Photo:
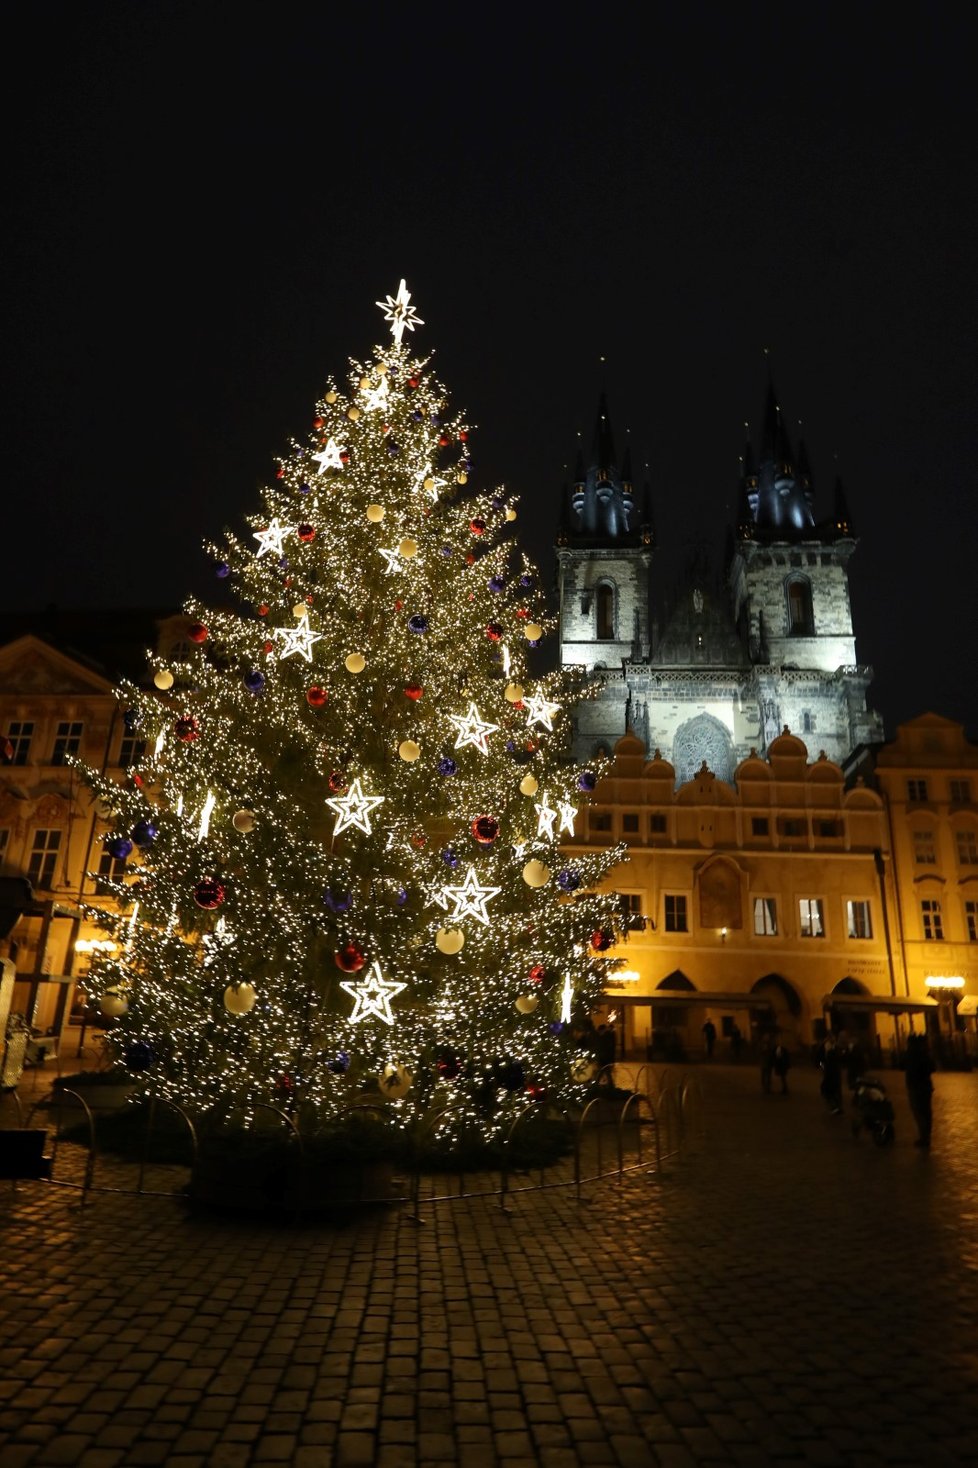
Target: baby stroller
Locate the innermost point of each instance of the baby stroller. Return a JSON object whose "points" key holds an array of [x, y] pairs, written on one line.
{"points": [[872, 1109]]}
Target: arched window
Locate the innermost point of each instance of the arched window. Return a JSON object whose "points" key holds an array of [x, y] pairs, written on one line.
{"points": [[801, 623], [605, 607]]}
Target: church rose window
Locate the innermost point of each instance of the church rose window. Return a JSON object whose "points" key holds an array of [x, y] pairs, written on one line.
{"points": [[702, 738]]}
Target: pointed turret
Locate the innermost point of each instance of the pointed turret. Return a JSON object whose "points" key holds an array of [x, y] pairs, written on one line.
{"points": [[602, 507], [782, 504]]}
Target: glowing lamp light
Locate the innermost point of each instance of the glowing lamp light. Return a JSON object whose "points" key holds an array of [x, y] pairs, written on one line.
{"points": [[947, 983]]}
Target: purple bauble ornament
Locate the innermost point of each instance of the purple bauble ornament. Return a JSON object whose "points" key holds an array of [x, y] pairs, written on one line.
{"points": [[340, 1065], [338, 901], [139, 1055], [568, 880], [254, 681], [586, 780], [144, 833], [497, 583], [446, 550], [450, 857], [305, 488], [119, 847], [222, 569], [418, 624], [447, 766]]}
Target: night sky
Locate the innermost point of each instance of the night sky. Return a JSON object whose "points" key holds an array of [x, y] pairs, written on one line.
{"points": [[204, 203]]}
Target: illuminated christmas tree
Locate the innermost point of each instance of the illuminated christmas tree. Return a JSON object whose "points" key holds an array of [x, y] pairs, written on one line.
{"points": [[345, 834]]}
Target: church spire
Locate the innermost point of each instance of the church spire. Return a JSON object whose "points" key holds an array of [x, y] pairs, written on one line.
{"points": [[843, 523], [783, 501], [602, 507]]}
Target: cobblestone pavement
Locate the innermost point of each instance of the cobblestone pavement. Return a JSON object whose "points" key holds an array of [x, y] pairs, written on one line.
{"points": [[784, 1294]]}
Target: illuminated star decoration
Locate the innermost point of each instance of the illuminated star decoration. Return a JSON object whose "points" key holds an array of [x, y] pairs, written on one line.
{"points": [[566, 998], [545, 820], [271, 539], [399, 312], [376, 397], [470, 899], [373, 995], [392, 559], [540, 711], [329, 457], [297, 640], [472, 730], [568, 815], [353, 808]]}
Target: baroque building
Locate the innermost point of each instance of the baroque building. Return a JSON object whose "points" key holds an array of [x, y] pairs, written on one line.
{"points": [[769, 646]]}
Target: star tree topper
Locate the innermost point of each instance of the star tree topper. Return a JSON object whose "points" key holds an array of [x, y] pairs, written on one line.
{"points": [[399, 312], [353, 808], [470, 898], [373, 995], [472, 730]]}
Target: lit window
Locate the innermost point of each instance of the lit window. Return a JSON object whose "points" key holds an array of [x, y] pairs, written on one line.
{"points": [[631, 909], [971, 920], [930, 912], [17, 745], [859, 922], [916, 791], [43, 858], [811, 917], [967, 848], [676, 921], [67, 741], [923, 848], [111, 868], [765, 917]]}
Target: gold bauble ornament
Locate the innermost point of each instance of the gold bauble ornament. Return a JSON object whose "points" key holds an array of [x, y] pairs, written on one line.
{"points": [[514, 693], [239, 999], [429, 484], [527, 1003], [461, 479], [383, 368], [529, 785], [365, 382], [355, 663], [375, 513], [535, 874], [583, 1068], [353, 414], [408, 548], [533, 631], [331, 396], [510, 514], [300, 610], [449, 940], [243, 821], [409, 751], [395, 1081], [163, 679], [113, 1004]]}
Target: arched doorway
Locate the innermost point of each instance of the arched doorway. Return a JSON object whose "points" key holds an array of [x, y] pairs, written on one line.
{"points": [[785, 1013]]}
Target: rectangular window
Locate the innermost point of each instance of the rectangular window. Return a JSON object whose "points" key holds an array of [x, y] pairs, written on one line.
{"points": [[43, 858], [789, 826], [67, 741], [111, 868], [808, 725], [759, 825], [657, 824], [829, 828], [916, 791], [131, 751], [923, 848], [960, 792], [17, 745], [631, 909], [930, 912], [859, 923], [599, 820], [629, 822], [811, 917], [971, 920], [765, 917], [967, 848], [676, 913]]}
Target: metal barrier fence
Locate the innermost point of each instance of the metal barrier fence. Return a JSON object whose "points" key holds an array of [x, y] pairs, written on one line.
{"points": [[618, 1132]]}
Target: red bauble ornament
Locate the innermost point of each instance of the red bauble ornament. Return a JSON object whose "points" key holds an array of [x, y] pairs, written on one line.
{"points": [[267, 647], [537, 974], [522, 612], [279, 473], [414, 382], [494, 631], [349, 958], [463, 435], [470, 559], [477, 526], [306, 532], [444, 440], [485, 829], [187, 729], [344, 458], [601, 940], [285, 1085], [413, 691], [337, 782], [419, 839], [398, 605], [137, 780], [263, 610], [197, 632], [316, 696], [319, 423], [209, 893]]}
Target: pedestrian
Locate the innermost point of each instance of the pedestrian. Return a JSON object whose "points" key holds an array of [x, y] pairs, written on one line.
{"points": [[782, 1064], [767, 1062], [917, 1071], [831, 1087], [736, 1040], [855, 1062], [710, 1037]]}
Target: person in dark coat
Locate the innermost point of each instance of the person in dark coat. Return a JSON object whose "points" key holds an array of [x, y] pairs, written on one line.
{"points": [[710, 1036], [781, 1065], [831, 1087], [917, 1071]]}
